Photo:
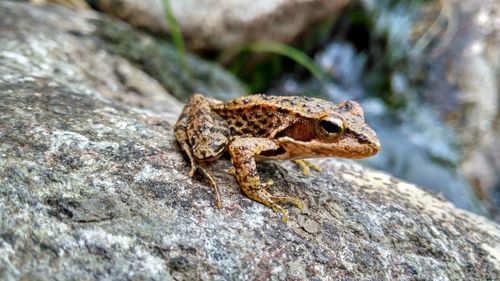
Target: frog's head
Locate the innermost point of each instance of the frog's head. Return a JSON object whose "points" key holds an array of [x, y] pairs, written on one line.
{"points": [[340, 132]]}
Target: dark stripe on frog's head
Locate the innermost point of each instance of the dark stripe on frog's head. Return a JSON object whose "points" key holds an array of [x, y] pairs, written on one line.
{"points": [[301, 130]]}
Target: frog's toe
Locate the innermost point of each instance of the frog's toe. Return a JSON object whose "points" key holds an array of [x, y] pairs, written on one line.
{"points": [[192, 171], [289, 199], [284, 215], [302, 164], [232, 171], [305, 166], [314, 167], [211, 179], [279, 209], [267, 184]]}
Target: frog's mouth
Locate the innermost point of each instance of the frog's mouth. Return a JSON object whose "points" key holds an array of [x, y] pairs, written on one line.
{"points": [[345, 147], [279, 153]]}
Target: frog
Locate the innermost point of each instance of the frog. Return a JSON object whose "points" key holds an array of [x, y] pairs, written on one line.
{"points": [[265, 127]]}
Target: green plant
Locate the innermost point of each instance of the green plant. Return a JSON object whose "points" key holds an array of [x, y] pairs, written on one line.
{"points": [[289, 52], [176, 34]]}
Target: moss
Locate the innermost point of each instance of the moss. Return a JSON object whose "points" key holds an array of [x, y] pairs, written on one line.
{"points": [[160, 60]]}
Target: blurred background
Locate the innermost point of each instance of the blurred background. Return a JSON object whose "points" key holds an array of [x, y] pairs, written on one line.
{"points": [[426, 72]]}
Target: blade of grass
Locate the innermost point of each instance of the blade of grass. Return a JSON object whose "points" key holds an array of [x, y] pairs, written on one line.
{"points": [[176, 34], [290, 52]]}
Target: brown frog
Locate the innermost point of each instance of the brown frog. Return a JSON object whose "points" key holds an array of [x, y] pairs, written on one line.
{"points": [[261, 127]]}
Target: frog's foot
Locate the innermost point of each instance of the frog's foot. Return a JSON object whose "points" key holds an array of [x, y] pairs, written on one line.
{"points": [[305, 165], [267, 184], [269, 202], [232, 171], [204, 170], [261, 195], [289, 199], [283, 199]]}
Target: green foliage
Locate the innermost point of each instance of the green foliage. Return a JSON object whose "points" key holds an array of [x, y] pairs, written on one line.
{"points": [[176, 34], [289, 52], [383, 31], [282, 59], [259, 72], [259, 80]]}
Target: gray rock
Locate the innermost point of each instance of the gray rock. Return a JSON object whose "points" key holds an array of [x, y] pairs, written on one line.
{"points": [[223, 25], [94, 186], [156, 58]]}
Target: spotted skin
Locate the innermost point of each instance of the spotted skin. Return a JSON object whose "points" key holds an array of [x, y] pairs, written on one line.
{"points": [[261, 127]]}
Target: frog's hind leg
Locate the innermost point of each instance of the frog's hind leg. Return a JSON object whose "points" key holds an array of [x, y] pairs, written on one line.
{"points": [[180, 130], [203, 136]]}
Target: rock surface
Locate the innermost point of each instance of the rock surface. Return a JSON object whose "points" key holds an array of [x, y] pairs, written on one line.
{"points": [[100, 33], [221, 25], [93, 186]]}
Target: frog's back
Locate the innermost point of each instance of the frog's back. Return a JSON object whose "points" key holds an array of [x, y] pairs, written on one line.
{"points": [[262, 115], [301, 105]]}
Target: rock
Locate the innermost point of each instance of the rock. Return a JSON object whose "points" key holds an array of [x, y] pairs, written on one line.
{"points": [[222, 25], [162, 62], [158, 59], [74, 4], [463, 85], [93, 186]]}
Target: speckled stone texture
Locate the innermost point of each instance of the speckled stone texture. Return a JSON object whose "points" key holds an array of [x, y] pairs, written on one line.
{"points": [[93, 186]]}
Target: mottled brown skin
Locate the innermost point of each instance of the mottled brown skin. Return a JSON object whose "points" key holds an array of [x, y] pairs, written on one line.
{"points": [[261, 127]]}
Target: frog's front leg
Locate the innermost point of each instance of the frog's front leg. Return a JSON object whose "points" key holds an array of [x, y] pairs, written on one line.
{"points": [[203, 136], [305, 165], [243, 151]]}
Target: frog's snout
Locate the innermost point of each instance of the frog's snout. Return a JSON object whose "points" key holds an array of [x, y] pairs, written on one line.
{"points": [[369, 141], [375, 145]]}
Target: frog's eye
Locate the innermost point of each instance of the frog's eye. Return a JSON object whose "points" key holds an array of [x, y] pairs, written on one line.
{"points": [[330, 129]]}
